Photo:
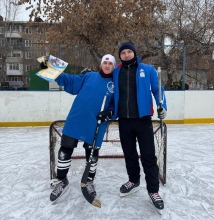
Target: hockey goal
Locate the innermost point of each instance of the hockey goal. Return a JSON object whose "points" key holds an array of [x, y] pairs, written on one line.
{"points": [[111, 147]]}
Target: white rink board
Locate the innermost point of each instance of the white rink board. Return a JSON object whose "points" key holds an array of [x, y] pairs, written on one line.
{"points": [[48, 106], [200, 104], [35, 106]]}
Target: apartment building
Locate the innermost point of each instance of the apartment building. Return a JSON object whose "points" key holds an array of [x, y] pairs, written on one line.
{"points": [[20, 45]]}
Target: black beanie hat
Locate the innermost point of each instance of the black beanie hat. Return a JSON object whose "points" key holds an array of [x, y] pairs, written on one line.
{"points": [[127, 45]]}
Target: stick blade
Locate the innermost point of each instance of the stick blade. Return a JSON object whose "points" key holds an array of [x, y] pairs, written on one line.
{"points": [[85, 193], [88, 197], [96, 203]]}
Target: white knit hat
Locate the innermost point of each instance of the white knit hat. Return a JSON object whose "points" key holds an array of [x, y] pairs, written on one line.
{"points": [[108, 57]]}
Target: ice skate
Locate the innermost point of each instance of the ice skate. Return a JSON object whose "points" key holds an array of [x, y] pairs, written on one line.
{"points": [[129, 188], [60, 188], [157, 202]]}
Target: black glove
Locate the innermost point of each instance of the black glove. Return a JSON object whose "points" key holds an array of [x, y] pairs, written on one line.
{"points": [[161, 112], [85, 71], [43, 65], [105, 115]]}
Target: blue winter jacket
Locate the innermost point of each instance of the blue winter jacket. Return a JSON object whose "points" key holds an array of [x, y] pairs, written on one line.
{"points": [[147, 84], [90, 89]]}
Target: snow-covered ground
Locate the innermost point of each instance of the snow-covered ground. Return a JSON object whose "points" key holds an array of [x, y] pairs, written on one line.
{"points": [[25, 189]]}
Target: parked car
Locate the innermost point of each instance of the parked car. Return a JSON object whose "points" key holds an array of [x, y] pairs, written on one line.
{"points": [[13, 85]]}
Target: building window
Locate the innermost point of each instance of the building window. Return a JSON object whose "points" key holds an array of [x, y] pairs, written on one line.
{"points": [[40, 54], [14, 54], [41, 30], [28, 55], [28, 30], [2, 30], [28, 67], [14, 42], [0, 55], [16, 28], [15, 78], [26, 80], [40, 43], [28, 43], [2, 67], [13, 66]]}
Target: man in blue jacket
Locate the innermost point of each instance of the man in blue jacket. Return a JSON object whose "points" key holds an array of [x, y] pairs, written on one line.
{"points": [[90, 89], [135, 83]]}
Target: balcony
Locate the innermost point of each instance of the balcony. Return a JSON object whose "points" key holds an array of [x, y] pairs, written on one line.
{"points": [[12, 35]]}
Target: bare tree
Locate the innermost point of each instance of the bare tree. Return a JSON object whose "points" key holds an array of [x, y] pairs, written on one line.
{"points": [[91, 28], [9, 9], [189, 23], [97, 25]]}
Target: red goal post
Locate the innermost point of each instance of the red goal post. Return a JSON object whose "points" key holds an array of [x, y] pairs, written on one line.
{"points": [[111, 146]]}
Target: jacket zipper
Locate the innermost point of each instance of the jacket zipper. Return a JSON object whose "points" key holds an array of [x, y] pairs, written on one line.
{"points": [[127, 102]]}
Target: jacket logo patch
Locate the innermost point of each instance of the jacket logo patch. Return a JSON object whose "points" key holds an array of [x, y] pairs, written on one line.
{"points": [[110, 87], [142, 73]]}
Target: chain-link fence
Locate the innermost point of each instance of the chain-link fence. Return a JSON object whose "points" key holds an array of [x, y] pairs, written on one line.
{"points": [[183, 66]]}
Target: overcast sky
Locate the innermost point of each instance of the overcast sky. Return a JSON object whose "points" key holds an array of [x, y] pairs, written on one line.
{"points": [[23, 15], [8, 12]]}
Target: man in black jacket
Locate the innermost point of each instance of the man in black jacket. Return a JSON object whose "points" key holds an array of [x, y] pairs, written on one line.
{"points": [[135, 83]]}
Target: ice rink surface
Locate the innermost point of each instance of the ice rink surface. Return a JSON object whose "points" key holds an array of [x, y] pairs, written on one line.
{"points": [[25, 180]]}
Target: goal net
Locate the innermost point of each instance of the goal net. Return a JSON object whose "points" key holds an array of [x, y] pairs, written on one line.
{"points": [[111, 146]]}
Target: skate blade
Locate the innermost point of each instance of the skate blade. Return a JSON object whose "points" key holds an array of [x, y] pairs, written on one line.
{"points": [[53, 202], [160, 211], [132, 191]]}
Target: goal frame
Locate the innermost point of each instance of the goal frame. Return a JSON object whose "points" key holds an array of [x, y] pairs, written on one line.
{"points": [[159, 146]]}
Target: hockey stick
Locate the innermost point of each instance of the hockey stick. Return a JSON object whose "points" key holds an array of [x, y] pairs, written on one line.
{"points": [[160, 104], [85, 193]]}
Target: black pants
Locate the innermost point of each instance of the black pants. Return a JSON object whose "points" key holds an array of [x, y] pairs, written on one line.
{"points": [[142, 130], [64, 157]]}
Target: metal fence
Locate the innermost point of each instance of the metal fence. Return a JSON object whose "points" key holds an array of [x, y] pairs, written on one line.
{"points": [[183, 66]]}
